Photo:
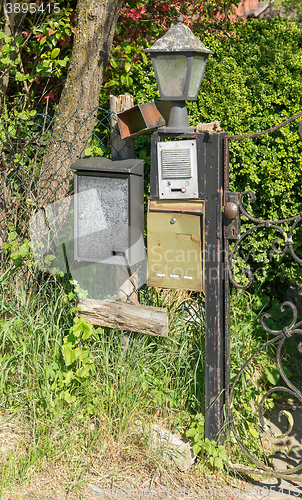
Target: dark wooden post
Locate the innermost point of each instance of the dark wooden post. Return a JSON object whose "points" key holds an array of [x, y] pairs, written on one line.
{"points": [[210, 186], [210, 154], [121, 149]]}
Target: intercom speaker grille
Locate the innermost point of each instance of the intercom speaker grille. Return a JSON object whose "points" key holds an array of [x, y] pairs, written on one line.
{"points": [[177, 169], [176, 164]]}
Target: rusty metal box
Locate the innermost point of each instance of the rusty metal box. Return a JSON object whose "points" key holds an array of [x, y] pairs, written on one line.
{"points": [[143, 118], [175, 244]]}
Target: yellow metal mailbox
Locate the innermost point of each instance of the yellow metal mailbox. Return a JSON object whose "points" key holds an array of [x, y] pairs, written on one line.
{"points": [[175, 244]]}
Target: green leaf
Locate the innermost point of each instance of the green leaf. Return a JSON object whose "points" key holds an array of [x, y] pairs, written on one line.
{"points": [[272, 375], [196, 448], [12, 235], [69, 377], [18, 40], [81, 353], [68, 353], [253, 431], [218, 463], [80, 325], [111, 83], [191, 433], [209, 446], [6, 48], [87, 331], [145, 58], [113, 63], [127, 66], [54, 53], [222, 452], [68, 398], [287, 372], [84, 371]]}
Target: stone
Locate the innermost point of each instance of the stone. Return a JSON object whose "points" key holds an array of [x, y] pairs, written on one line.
{"points": [[172, 447], [208, 128]]}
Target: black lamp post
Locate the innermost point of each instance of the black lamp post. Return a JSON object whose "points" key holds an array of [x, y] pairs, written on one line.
{"points": [[179, 59]]}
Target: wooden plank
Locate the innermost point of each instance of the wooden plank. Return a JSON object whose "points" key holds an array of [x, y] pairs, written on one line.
{"points": [[120, 148], [116, 314]]}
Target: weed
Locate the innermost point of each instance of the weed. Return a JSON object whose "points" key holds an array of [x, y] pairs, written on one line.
{"points": [[63, 377], [211, 453], [79, 391]]}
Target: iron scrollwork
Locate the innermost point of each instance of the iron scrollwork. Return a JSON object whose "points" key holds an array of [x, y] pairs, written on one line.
{"points": [[288, 239], [280, 336]]}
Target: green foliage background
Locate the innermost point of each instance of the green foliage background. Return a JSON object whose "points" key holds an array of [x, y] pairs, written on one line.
{"points": [[253, 82]]}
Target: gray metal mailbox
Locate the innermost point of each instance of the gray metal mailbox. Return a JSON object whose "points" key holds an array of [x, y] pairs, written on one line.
{"points": [[109, 210]]}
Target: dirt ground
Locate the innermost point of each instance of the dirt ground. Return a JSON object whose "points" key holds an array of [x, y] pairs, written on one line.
{"points": [[51, 486], [124, 478]]}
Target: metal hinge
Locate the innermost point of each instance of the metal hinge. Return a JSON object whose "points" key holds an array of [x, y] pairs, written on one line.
{"points": [[231, 215]]}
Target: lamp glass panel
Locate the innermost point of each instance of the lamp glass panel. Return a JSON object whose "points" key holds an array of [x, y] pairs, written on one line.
{"points": [[198, 67], [172, 73]]}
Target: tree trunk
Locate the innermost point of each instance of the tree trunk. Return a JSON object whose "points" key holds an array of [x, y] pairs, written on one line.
{"points": [[76, 114]]}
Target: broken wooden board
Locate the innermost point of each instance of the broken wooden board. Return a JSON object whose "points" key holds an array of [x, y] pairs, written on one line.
{"points": [[136, 318]]}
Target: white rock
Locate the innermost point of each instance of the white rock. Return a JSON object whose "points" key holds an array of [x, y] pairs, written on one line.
{"points": [[171, 447]]}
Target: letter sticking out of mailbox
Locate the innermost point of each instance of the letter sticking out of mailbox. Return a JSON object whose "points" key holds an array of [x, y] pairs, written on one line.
{"points": [[175, 242]]}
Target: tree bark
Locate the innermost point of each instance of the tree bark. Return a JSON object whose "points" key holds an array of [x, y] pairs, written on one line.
{"points": [[76, 114]]}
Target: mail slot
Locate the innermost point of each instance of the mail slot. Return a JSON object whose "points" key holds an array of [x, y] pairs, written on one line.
{"points": [[175, 244]]}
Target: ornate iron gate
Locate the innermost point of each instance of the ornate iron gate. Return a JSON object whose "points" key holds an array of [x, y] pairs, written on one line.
{"points": [[234, 206]]}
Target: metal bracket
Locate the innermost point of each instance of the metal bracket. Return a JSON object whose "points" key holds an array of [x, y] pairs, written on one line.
{"points": [[231, 215]]}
